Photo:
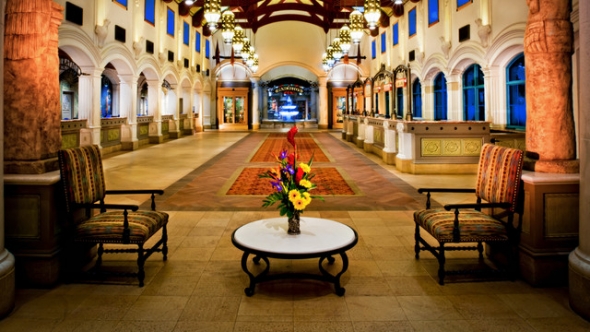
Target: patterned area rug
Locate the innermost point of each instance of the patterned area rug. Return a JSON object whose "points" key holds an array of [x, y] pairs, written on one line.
{"points": [[327, 179], [275, 143]]}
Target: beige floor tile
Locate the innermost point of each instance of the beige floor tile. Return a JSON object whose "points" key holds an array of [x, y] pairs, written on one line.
{"points": [[49, 307], [379, 240], [323, 327], [211, 309], [423, 308], [442, 326], [193, 326], [508, 325], [192, 254], [263, 327], [482, 307], [261, 308], [400, 326], [321, 309], [366, 286], [27, 324], [413, 286], [374, 308], [76, 325], [569, 324], [172, 285], [156, 308], [535, 305], [103, 307], [145, 326], [402, 268]]}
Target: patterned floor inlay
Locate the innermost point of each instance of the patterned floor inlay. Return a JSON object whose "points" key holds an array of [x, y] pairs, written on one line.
{"points": [[328, 180], [273, 145]]}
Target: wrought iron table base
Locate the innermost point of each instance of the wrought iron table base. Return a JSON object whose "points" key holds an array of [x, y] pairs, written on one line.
{"points": [[324, 276]]}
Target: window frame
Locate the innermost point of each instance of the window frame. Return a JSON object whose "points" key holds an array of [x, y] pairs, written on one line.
{"points": [[417, 97], [152, 5], [412, 23], [170, 18], [395, 33], [383, 42], [186, 33], [513, 83], [463, 3], [430, 12], [477, 89], [443, 104], [197, 41], [122, 3]]}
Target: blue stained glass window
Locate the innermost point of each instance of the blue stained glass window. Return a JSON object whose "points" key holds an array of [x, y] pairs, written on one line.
{"points": [[473, 94], [461, 3], [383, 43], [170, 25], [122, 2], [440, 97], [432, 12], [515, 95], [185, 33], [412, 22], [373, 49], [198, 41], [417, 98], [150, 11], [207, 49], [395, 34]]}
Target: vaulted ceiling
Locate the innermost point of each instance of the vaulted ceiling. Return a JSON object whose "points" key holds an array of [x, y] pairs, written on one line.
{"points": [[254, 14]]}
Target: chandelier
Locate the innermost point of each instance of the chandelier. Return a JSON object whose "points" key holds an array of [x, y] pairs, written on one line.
{"points": [[356, 26], [238, 40], [345, 39], [212, 13], [372, 13], [227, 26], [336, 49]]}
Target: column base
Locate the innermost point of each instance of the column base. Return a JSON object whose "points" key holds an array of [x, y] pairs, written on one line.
{"points": [[7, 283], [130, 146], [542, 269], [579, 283], [156, 139]]}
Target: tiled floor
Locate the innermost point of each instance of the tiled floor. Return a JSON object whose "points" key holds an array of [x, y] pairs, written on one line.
{"points": [[201, 286]]}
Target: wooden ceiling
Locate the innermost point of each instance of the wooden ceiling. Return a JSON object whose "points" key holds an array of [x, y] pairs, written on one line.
{"points": [[254, 14]]}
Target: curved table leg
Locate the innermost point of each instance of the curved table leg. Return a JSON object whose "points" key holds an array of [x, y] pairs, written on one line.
{"points": [[335, 278], [250, 289]]}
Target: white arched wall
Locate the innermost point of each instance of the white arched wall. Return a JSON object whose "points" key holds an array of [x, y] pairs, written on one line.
{"points": [[462, 58]]}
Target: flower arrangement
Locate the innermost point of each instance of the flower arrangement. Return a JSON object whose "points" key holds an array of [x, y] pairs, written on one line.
{"points": [[291, 181]]}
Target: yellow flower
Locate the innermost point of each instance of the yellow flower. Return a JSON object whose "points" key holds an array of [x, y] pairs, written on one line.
{"points": [[306, 197], [305, 183], [300, 204], [305, 167], [294, 195]]}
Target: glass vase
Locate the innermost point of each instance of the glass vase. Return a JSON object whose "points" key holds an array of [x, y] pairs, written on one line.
{"points": [[294, 223]]}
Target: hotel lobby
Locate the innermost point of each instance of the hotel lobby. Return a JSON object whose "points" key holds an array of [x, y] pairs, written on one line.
{"points": [[173, 105]]}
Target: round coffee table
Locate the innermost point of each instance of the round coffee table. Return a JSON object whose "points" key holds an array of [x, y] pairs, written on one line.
{"points": [[319, 238]]}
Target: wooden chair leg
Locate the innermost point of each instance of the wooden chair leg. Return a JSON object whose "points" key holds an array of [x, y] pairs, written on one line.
{"points": [[140, 264], [417, 239], [480, 250], [441, 264], [164, 243], [99, 256]]}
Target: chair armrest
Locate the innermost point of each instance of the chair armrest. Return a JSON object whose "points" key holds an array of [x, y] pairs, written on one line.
{"points": [[153, 193], [135, 191], [446, 190], [109, 206], [442, 190], [477, 206]]}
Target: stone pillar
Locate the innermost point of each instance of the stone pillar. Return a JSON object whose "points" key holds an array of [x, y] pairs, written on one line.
{"points": [[7, 280], [255, 103], [89, 101], [323, 101], [32, 117], [551, 145], [128, 109], [154, 90], [579, 259]]}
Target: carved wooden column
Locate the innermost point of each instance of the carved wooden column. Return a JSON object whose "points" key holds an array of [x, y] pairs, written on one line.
{"points": [[548, 48], [32, 111], [551, 180]]}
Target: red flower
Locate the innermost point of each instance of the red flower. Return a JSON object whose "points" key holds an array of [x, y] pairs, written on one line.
{"points": [[299, 175], [291, 135], [291, 159]]}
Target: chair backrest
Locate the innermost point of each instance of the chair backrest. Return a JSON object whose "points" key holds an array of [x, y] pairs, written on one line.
{"points": [[82, 175], [498, 175]]}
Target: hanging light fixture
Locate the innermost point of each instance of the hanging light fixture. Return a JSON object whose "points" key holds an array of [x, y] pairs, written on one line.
{"points": [[330, 56], [254, 66], [245, 49], [356, 26], [189, 2], [325, 65], [372, 13], [212, 13], [227, 26], [251, 57], [345, 40], [336, 49], [238, 40]]}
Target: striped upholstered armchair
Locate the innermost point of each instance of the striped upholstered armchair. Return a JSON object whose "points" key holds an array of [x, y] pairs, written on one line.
{"points": [[120, 224], [498, 186]]}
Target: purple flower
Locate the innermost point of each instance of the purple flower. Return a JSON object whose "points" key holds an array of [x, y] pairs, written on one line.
{"points": [[290, 169], [277, 185], [283, 154]]}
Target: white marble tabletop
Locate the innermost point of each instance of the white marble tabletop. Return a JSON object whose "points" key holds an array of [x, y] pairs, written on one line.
{"points": [[317, 236]]}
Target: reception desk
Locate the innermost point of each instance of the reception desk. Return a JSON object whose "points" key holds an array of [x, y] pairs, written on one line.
{"points": [[422, 147]]}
